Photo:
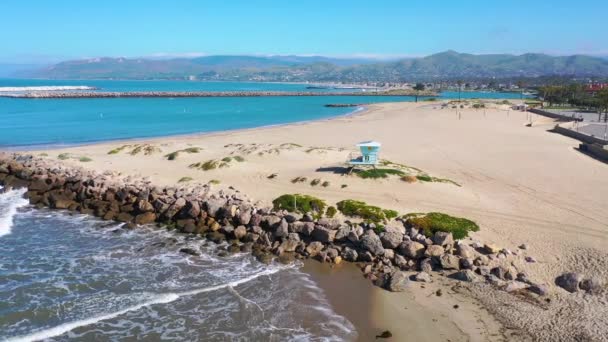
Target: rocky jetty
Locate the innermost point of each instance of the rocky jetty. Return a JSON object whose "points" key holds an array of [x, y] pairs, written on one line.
{"points": [[342, 105], [392, 256], [112, 94]]}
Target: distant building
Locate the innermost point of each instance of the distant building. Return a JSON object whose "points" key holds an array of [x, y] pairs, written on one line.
{"points": [[595, 87]]}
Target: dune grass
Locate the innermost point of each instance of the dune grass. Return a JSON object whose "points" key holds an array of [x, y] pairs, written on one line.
{"points": [[175, 154], [299, 180], [439, 222], [214, 181], [297, 203], [331, 212], [368, 213], [118, 149], [315, 182], [63, 156], [378, 173], [85, 159], [184, 179]]}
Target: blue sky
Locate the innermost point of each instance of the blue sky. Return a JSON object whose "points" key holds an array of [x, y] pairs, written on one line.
{"points": [[47, 31]]}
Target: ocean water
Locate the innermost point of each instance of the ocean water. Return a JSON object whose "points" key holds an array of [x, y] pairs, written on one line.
{"points": [[77, 278], [27, 122]]}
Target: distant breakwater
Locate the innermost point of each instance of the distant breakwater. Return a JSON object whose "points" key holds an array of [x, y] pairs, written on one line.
{"points": [[228, 216], [121, 94]]}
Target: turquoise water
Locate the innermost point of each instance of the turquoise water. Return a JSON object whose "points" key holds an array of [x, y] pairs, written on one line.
{"points": [[27, 122]]}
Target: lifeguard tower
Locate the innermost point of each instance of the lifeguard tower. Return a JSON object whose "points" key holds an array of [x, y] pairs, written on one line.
{"points": [[368, 157]]}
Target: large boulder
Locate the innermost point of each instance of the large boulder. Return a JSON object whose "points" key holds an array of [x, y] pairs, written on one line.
{"points": [[175, 208], [449, 262], [124, 217], [245, 217], [443, 239], [411, 249], [391, 239], [214, 206], [371, 242], [145, 218], [240, 232], [591, 285], [191, 210], [422, 277], [350, 254], [143, 206], [434, 251], [323, 234], [398, 282], [282, 229], [343, 232], [465, 251], [466, 275], [569, 281], [314, 248], [491, 248]]}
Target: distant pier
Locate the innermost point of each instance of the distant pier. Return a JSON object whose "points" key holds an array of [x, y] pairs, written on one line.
{"points": [[114, 94]]}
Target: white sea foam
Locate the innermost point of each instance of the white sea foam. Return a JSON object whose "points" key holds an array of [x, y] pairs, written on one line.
{"points": [[9, 203], [45, 88], [163, 298]]}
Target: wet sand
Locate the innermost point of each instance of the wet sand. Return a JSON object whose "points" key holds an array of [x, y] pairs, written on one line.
{"points": [[374, 310]]}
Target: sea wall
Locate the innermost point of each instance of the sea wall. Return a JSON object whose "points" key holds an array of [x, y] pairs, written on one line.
{"points": [[596, 150], [578, 135], [552, 115], [386, 255], [113, 94]]}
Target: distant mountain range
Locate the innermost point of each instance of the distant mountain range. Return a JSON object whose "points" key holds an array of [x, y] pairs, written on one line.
{"points": [[446, 65]]}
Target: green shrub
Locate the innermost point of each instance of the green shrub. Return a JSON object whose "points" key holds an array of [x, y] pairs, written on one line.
{"points": [[227, 159], [343, 186], [378, 173], [315, 182], [184, 179], [424, 178], [85, 159], [299, 204], [214, 181], [192, 150], [299, 180], [239, 159], [118, 149], [439, 222], [331, 212], [325, 184], [369, 213], [63, 156], [209, 165], [172, 155], [44, 154]]}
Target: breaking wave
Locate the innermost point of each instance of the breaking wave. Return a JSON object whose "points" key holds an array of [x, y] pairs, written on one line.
{"points": [[10, 201]]}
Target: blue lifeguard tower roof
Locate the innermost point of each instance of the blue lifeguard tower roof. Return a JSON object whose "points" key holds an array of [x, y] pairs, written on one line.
{"points": [[369, 154], [369, 143]]}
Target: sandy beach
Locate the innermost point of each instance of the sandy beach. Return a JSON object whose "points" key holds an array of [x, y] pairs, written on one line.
{"points": [[522, 185]]}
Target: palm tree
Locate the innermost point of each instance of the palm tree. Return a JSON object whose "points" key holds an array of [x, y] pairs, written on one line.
{"points": [[418, 88], [520, 85]]}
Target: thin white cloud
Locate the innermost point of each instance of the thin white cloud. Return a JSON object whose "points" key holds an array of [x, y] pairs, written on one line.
{"points": [[177, 54]]}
